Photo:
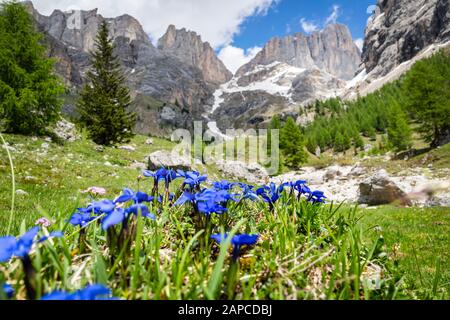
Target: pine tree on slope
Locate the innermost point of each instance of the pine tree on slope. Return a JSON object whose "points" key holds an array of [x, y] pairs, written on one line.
{"points": [[105, 99]]}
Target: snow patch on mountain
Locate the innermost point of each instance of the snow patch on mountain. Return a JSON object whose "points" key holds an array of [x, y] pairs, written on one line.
{"points": [[275, 78]]}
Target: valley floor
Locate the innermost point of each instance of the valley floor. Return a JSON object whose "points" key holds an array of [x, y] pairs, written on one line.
{"points": [[50, 179]]}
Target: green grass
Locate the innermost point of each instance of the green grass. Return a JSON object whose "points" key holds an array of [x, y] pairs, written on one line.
{"points": [[305, 252], [56, 178], [419, 239]]}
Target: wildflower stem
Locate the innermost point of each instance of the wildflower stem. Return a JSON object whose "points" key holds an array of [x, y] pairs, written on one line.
{"points": [[30, 277]]}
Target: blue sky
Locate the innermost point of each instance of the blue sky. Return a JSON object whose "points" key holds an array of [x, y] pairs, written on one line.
{"points": [[284, 18]]}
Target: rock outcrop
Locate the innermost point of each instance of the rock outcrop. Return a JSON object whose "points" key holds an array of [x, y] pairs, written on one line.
{"points": [[379, 189], [189, 48], [168, 160], [331, 50], [400, 33], [400, 29], [251, 172], [168, 92], [289, 72]]}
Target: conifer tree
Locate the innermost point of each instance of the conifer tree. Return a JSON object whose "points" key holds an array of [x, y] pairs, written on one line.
{"points": [[104, 100], [292, 143], [29, 90], [338, 142], [398, 132]]}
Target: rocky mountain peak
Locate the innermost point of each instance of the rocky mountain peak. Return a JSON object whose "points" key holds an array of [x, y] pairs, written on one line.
{"points": [[189, 48], [400, 29], [79, 29], [331, 50]]}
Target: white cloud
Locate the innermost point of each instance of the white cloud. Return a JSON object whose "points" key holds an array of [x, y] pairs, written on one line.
{"points": [[308, 26], [359, 43], [216, 21], [332, 18], [234, 57]]}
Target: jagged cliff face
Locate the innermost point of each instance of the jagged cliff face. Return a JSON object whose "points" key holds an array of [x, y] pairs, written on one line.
{"points": [[169, 92], [400, 33], [331, 50], [189, 48], [287, 73], [400, 29]]}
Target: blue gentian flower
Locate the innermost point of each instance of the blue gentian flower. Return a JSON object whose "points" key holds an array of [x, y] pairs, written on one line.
{"points": [[8, 290], [137, 197], [207, 202], [91, 292], [20, 248], [185, 197], [237, 241], [301, 187], [223, 185], [145, 212], [115, 217], [270, 194], [317, 197], [126, 196], [248, 192], [120, 214], [81, 219], [209, 207], [215, 195], [103, 206], [194, 179]]}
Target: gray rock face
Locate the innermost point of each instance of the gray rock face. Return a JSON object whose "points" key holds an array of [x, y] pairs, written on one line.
{"points": [[66, 130], [189, 48], [157, 79], [331, 50], [400, 29], [276, 89], [289, 72], [248, 110], [250, 172], [168, 160]]}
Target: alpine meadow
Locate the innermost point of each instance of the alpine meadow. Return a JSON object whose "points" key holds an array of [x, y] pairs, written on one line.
{"points": [[265, 151]]}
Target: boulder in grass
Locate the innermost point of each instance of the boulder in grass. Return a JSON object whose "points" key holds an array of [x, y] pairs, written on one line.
{"points": [[66, 130], [168, 160], [127, 148], [379, 189], [236, 170]]}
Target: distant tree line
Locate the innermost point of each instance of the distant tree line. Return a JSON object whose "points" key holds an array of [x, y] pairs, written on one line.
{"points": [[420, 97]]}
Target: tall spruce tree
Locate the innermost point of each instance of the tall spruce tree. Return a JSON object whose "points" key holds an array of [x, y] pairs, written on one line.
{"points": [[398, 132], [29, 89], [105, 99], [292, 143]]}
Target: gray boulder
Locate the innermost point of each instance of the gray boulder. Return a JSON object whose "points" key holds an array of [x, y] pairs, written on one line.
{"points": [[168, 160], [379, 189], [65, 130], [237, 170]]}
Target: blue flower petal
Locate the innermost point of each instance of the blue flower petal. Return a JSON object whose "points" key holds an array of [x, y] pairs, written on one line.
{"points": [[115, 217], [7, 247]]}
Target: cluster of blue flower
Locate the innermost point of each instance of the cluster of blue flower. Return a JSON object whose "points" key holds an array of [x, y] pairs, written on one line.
{"points": [[204, 201]]}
